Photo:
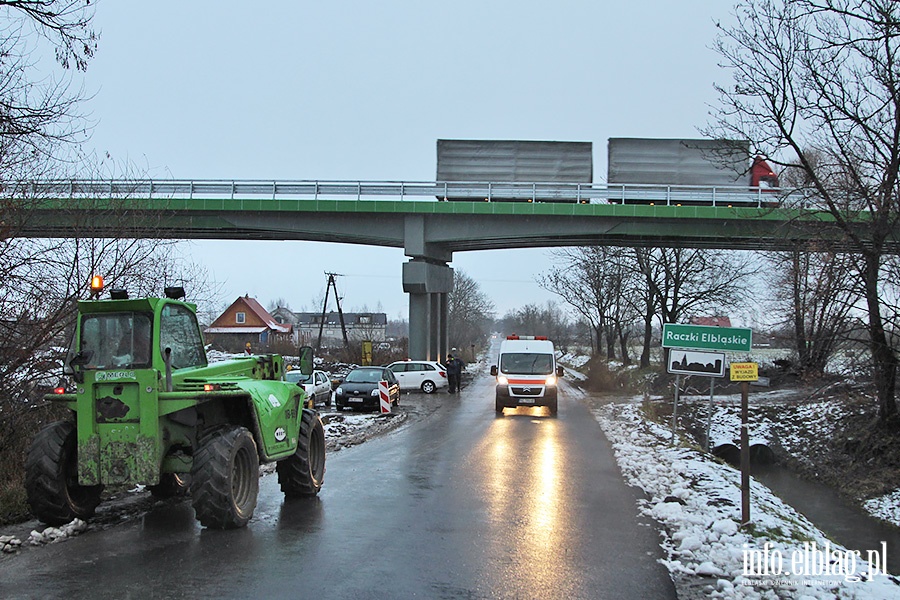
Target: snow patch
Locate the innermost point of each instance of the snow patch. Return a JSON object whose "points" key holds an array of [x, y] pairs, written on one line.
{"points": [[9, 544], [55, 534], [886, 507], [697, 501]]}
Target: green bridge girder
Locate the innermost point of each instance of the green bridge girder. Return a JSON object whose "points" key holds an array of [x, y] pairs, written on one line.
{"points": [[448, 226]]}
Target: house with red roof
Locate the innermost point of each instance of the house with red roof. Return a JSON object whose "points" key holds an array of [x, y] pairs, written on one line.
{"points": [[718, 321], [246, 321]]}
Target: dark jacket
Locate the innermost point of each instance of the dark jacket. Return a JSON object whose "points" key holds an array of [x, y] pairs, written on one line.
{"points": [[454, 366]]}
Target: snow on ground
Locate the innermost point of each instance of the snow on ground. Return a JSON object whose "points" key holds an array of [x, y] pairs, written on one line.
{"points": [[345, 430], [572, 364], [886, 507], [697, 502], [788, 431], [575, 360], [726, 420], [49, 535]]}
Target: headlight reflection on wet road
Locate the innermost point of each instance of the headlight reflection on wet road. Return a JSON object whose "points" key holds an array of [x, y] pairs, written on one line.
{"points": [[525, 498]]}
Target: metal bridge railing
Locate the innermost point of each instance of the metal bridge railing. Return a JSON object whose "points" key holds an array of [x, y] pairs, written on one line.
{"points": [[605, 193]]}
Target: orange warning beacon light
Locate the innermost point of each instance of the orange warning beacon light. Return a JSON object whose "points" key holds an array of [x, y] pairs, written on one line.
{"points": [[96, 285]]}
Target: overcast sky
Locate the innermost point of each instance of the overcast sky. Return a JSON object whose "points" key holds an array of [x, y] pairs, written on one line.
{"points": [[362, 90]]}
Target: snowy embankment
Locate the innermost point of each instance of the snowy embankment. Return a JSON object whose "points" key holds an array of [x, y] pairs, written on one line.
{"points": [[572, 363], [791, 428], [697, 502]]}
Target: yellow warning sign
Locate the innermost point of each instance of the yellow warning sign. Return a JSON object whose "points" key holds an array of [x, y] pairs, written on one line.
{"points": [[744, 371]]}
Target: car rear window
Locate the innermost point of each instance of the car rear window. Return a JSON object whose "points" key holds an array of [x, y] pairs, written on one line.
{"points": [[365, 376], [296, 377]]}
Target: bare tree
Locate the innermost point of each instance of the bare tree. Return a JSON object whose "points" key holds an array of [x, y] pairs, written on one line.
{"points": [[815, 292], [644, 299], [470, 312], [621, 290], [38, 113], [65, 23], [816, 85], [596, 281], [689, 281], [279, 302], [547, 320]]}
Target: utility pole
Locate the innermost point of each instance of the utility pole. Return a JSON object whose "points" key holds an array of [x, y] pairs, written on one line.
{"points": [[332, 283]]}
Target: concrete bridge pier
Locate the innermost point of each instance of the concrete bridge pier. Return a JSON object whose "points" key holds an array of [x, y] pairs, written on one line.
{"points": [[427, 279], [427, 284]]}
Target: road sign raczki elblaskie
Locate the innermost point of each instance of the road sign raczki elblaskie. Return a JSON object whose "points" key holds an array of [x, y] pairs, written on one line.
{"points": [[705, 337]]}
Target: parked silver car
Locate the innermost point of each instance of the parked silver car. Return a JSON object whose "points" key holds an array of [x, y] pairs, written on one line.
{"points": [[317, 386]]}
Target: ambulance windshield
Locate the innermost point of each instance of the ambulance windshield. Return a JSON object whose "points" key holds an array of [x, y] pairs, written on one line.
{"points": [[526, 363]]}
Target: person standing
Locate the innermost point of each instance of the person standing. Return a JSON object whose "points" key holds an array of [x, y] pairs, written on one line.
{"points": [[454, 371]]}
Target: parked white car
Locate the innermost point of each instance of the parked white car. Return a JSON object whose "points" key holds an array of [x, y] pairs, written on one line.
{"points": [[317, 386], [420, 375]]}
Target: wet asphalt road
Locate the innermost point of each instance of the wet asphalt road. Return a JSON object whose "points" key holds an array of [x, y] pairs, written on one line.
{"points": [[463, 504]]}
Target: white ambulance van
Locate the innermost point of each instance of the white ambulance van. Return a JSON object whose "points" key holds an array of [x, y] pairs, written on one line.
{"points": [[526, 373]]}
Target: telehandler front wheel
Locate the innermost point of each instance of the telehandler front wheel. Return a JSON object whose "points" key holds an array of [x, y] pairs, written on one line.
{"points": [[303, 473], [51, 477], [225, 478]]}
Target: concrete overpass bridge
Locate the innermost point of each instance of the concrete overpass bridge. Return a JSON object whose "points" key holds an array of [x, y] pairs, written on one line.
{"points": [[429, 220]]}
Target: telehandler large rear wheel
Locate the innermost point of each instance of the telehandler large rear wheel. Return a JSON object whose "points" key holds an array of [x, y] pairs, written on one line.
{"points": [[51, 477], [303, 473], [225, 478]]}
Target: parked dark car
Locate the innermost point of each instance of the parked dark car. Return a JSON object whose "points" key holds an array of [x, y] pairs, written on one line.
{"points": [[360, 388]]}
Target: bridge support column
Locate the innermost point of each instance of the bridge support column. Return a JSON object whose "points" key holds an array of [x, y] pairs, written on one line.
{"points": [[427, 279], [427, 284]]}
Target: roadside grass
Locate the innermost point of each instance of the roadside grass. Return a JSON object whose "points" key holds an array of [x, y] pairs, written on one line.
{"points": [[17, 429], [12, 499]]}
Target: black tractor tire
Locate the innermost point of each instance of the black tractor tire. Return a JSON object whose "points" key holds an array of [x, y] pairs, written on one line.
{"points": [[170, 485], [428, 387], [225, 478], [51, 477], [303, 473]]}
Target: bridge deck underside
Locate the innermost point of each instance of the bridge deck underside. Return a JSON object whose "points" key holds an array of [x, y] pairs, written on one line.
{"points": [[454, 226]]}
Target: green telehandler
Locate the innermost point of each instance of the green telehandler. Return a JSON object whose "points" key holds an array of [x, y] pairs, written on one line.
{"points": [[148, 409]]}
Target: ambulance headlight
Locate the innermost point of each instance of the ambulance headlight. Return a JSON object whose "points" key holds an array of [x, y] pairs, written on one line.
{"points": [[551, 380], [502, 380]]}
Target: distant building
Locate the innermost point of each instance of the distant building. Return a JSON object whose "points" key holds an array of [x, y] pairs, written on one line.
{"points": [[284, 316], [360, 326], [246, 321], [718, 321]]}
